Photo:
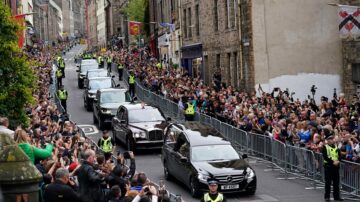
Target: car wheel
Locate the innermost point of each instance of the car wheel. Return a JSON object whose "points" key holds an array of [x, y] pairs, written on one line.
{"points": [[88, 107], [80, 85], [166, 172], [194, 188], [117, 142], [94, 119], [130, 145], [101, 125], [250, 192]]}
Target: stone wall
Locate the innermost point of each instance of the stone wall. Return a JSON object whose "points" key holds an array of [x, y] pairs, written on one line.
{"points": [[351, 56]]}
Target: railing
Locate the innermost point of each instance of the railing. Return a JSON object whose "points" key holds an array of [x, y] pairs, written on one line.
{"points": [[56, 100], [290, 159]]}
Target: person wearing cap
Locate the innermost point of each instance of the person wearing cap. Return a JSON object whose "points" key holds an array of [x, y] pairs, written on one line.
{"points": [[332, 157], [106, 144], [213, 195]]}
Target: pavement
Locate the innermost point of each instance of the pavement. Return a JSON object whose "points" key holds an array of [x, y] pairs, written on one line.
{"points": [[271, 183]]}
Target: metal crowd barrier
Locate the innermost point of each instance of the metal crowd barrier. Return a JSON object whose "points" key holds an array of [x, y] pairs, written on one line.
{"points": [[294, 160]]}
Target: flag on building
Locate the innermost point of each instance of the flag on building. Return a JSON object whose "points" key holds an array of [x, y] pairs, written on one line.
{"points": [[349, 21], [134, 27], [20, 19], [169, 25]]}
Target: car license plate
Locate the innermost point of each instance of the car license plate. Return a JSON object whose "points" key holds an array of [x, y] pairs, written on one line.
{"points": [[230, 186]]}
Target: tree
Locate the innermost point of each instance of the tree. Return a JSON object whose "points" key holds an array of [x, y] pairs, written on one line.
{"points": [[17, 78], [137, 10]]}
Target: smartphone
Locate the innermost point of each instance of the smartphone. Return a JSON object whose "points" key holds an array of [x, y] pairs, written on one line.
{"points": [[161, 184]]}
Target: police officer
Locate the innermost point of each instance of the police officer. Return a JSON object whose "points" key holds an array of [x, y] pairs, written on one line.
{"points": [[120, 70], [213, 195], [332, 159], [106, 144], [132, 84], [101, 61], [58, 75], [62, 66], [189, 111], [63, 95], [109, 62]]}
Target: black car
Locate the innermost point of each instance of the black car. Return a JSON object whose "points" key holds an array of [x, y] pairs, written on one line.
{"points": [[83, 68], [106, 103], [139, 126], [193, 152], [95, 84]]}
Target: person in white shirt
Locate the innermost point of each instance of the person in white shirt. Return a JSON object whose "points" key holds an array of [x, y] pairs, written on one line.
{"points": [[4, 124]]}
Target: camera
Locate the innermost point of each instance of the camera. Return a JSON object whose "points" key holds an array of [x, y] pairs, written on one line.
{"points": [[126, 155], [276, 89], [146, 189], [313, 89]]}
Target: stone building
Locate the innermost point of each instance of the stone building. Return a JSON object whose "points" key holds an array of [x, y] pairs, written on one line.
{"points": [[116, 24], [351, 61], [101, 22], [91, 23], [164, 40], [295, 44]]}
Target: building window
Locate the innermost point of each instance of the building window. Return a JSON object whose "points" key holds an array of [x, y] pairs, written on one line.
{"points": [[197, 25], [235, 70], [190, 26], [207, 69], [227, 17], [185, 23], [355, 72], [235, 13], [228, 68], [232, 14], [216, 17], [217, 62]]}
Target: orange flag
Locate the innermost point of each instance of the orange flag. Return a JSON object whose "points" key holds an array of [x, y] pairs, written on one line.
{"points": [[135, 27]]}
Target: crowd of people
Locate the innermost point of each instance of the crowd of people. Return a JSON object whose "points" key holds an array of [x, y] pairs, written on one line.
{"points": [[72, 166], [276, 114]]}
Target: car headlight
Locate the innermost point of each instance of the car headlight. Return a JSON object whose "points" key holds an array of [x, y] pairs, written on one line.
{"points": [[139, 134], [250, 174], [203, 178], [105, 111]]}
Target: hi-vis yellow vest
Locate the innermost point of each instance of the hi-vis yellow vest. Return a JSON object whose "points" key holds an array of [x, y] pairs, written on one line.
{"points": [[219, 198], [190, 109], [331, 153], [106, 145]]}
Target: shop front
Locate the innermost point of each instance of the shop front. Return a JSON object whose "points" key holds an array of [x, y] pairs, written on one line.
{"points": [[192, 60]]}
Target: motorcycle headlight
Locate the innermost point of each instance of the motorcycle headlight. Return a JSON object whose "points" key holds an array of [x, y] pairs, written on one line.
{"points": [[105, 111], [250, 174], [203, 178]]}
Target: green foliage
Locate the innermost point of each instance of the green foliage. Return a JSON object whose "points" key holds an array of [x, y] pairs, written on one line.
{"points": [[138, 10], [135, 10], [17, 78]]}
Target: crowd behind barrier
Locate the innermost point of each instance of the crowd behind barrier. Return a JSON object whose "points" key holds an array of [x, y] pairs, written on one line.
{"points": [[60, 150], [287, 132]]}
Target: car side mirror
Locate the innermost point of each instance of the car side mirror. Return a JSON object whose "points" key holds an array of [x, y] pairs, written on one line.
{"points": [[244, 156], [112, 76], [77, 70], [183, 159], [77, 65], [168, 119]]}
